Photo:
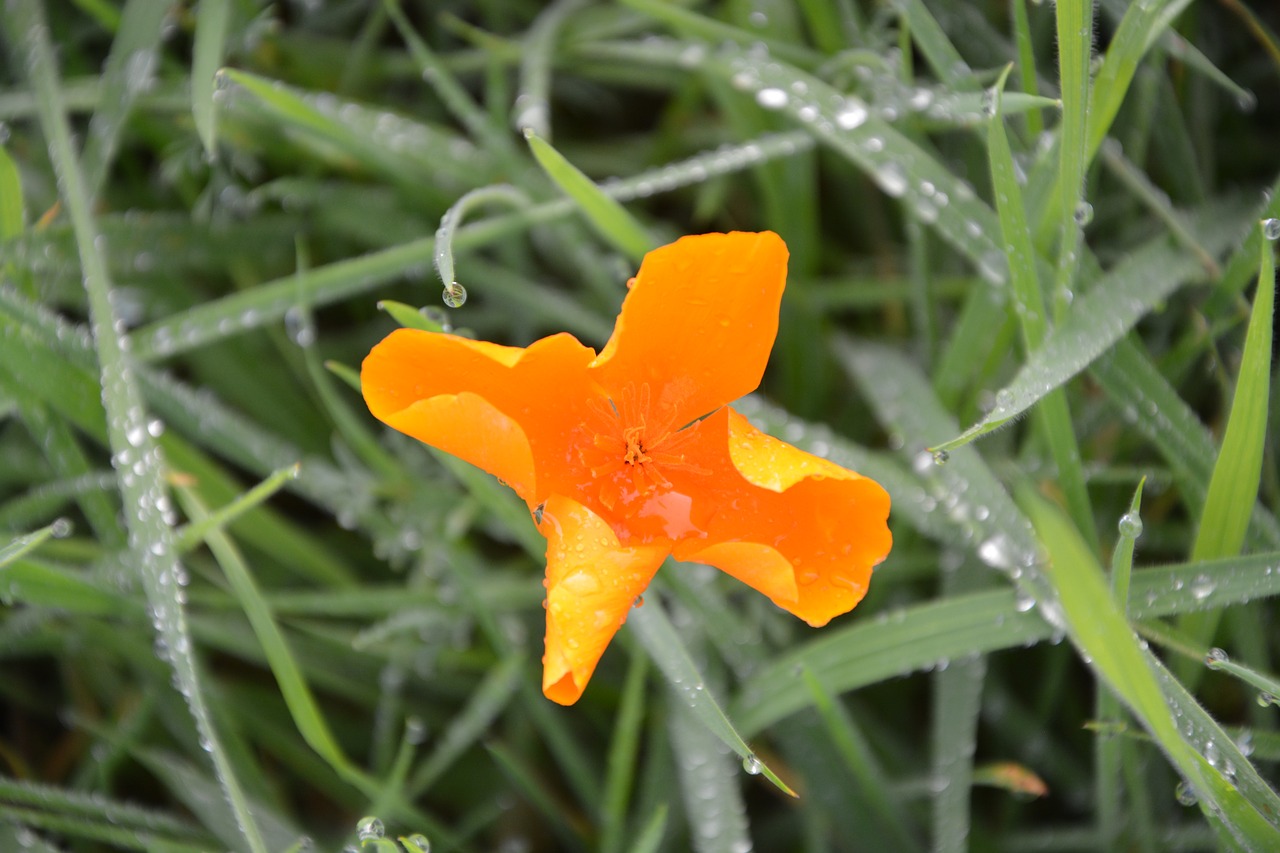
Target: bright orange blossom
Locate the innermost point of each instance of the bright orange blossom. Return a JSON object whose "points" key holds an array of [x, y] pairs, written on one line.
{"points": [[632, 455]]}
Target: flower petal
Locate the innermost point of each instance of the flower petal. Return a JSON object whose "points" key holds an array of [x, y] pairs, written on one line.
{"points": [[699, 323], [592, 582], [514, 412], [800, 529]]}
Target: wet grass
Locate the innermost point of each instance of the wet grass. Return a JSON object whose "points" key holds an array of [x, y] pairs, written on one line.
{"points": [[1030, 292]]}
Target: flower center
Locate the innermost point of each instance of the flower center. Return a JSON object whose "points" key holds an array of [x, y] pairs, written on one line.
{"points": [[630, 449]]}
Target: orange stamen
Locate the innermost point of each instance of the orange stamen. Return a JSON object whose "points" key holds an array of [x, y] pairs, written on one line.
{"points": [[628, 440]]}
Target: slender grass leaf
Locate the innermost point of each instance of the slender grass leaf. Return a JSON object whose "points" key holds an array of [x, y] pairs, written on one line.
{"points": [[524, 779], [409, 154], [717, 32], [293, 685], [899, 166], [1239, 467], [947, 63], [623, 754], [852, 747], [1029, 308], [441, 79], [1100, 318], [1269, 685], [12, 212], [533, 110], [957, 707], [200, 794], [129, 72], [661, 640], [1026, 63], [262, 527], [1141, 26], [649, 839], [41, 585], [1074, 20], [66, 457], [1099, 629], [96, 806], [1028, 298], [28, 542], [607, 216], [349, 375], [213, 19], [487, 701], [408, 317], [1157, 201], [1130, 528], [708, 780], [194, 534], [1238, 470], [267, 303], [133, 447]]}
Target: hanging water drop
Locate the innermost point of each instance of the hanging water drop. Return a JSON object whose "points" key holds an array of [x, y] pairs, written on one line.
{"points": [[1083, 213], [752, 765], [455, 295], [1186, 794], [1130, 525], [941, 457], [1271, 228]]}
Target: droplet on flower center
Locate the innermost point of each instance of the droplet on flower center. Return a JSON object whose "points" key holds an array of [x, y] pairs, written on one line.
{"points": [[631, 448]]}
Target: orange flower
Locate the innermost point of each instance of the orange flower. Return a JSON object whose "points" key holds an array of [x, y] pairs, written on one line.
{"points": [[632, 455]]}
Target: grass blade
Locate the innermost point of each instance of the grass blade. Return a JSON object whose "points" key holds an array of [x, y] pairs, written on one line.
{"points": [[661, 640], [606, 215], [1096, 322], [1239, 467], [213, 19], [623, 753], [128, 73], [1099, 629], [28, 542], [1054, 416], [134, 449], [12, 211], [1238, 470], [716, 812]]}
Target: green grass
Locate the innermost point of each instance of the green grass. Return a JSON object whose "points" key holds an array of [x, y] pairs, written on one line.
{"points": [[1031, 292]]}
